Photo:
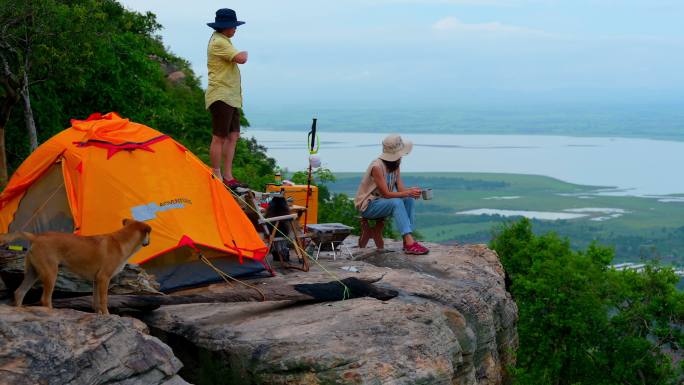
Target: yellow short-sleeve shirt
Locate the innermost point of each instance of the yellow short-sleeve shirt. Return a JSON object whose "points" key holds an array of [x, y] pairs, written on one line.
{"points": [[224, 82]]}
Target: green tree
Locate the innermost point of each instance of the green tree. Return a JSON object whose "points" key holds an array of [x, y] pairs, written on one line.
{"points": [[95, 56], [251, 164], [646, 319], [30, 35], [582, 322]]}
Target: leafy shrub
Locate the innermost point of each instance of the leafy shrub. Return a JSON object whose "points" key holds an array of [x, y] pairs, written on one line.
{"points": [[583, 322]]}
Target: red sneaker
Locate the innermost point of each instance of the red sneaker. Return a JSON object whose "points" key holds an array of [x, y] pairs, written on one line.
{"points": [[416, 249], [233, 183]]}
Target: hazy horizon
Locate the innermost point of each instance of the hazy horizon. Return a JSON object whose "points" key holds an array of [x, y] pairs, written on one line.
{"points": [[417, 53]]}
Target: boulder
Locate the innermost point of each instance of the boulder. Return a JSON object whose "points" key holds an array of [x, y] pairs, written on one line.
{"points": [[41, 346], [131, 280], [176, 76], [452, 323]]}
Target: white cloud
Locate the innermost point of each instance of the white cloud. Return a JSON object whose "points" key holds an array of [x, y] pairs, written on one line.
{"points": [[452, 24]]}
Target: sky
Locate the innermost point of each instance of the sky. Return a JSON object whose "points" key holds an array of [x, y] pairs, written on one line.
{"points": [[420, 52]]}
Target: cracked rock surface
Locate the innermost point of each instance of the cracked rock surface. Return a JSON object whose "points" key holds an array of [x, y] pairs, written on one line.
{"points": [[452, 323], [41, 346]]}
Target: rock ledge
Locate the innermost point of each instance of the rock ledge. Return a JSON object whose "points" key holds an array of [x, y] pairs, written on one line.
{"points": [[453, 323], [40, 346]]}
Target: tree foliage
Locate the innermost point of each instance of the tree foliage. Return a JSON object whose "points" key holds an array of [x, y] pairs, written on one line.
{"points": [[583, 322], [96, 56]]}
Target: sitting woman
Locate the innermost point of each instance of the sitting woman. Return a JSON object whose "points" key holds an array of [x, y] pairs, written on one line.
{"points": [[382, 192]]}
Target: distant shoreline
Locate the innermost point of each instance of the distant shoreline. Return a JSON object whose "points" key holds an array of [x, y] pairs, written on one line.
{"points": [[675, 138], [634, 166], [656, 121]]}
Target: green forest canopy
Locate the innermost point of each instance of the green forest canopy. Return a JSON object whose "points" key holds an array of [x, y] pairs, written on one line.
{"points": [[583, 322], [85, 56]]}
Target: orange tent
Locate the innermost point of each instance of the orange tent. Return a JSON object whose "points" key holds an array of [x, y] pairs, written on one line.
{"points": [[89, 177]]}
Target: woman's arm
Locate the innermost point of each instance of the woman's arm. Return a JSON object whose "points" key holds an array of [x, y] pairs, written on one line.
{"points": [[412, 191], [379, 178]]}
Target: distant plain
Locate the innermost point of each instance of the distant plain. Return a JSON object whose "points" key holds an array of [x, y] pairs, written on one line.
{"points": [[646, 228], [539, 159]]}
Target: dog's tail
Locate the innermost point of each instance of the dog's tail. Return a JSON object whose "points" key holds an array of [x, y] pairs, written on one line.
{"points": [[9, 237]]}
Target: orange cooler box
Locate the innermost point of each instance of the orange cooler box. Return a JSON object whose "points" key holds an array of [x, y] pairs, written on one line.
{"points": [[298, 195]]}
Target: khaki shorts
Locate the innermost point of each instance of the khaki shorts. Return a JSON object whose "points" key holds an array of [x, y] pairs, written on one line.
{"points": [[224, 118]]}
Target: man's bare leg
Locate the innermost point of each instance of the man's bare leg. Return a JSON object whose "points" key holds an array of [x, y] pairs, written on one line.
{"points": [[229, 144], [215, 153]]}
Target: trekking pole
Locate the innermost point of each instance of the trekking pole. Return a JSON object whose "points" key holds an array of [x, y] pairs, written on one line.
{"points": [[312, 144]]}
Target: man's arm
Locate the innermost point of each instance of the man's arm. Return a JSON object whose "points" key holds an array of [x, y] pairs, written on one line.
{"points": [[240, 58], [227, 52]]}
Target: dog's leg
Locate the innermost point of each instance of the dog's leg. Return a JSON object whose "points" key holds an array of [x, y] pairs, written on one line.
{"points": [[96, 297], [30, 278], [102, 289], [48, 287]]}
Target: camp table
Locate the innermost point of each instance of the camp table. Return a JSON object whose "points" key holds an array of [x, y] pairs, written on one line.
{"points": [[332, 234]]}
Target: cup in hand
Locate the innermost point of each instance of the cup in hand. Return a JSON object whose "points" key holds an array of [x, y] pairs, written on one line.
{"points": [[426, 193]]}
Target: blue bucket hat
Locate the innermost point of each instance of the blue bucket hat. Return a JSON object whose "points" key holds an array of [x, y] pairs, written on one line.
{"points": [[225, 18]]}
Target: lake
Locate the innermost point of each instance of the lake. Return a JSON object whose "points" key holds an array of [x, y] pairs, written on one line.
{"points": [[632, 166]]}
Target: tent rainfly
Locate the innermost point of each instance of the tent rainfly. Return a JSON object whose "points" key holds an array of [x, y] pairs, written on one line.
{"points": [[89, 177]]}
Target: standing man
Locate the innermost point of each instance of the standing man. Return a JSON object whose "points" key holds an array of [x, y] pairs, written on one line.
{"points": [[224, 94]]}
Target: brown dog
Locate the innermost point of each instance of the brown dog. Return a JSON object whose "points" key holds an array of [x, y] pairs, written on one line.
{"points": [[97, 258]]}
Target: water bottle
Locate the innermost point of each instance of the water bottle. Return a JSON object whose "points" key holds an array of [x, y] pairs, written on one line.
{"points": [[278, 177]]}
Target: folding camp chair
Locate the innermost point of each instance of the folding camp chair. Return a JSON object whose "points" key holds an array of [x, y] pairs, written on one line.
{"points": [[274, 236], [270, 229]]}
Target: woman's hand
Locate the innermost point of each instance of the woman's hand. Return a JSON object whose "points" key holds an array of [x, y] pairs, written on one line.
{"points": [[413, 192]]}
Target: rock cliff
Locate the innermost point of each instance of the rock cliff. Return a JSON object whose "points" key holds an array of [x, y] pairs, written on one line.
{"points": [[60, 347], [452, 323]]}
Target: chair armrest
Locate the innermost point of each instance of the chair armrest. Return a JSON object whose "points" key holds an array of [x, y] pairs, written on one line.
{"points": [[277, 219]]}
